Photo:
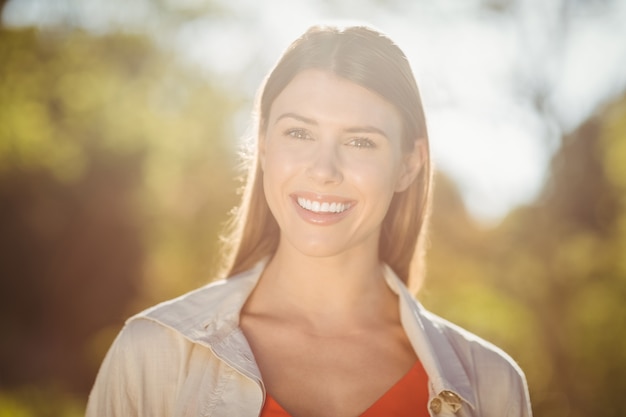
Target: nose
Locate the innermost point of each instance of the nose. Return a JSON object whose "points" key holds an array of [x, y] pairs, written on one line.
{"points": [[325, 164]]}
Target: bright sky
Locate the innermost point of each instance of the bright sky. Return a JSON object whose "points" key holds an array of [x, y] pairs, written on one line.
{"points": [[479, 71]]}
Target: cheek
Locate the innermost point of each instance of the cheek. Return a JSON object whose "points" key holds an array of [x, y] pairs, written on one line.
{"points": [[375, 176], [279, 162], [279, 168]]}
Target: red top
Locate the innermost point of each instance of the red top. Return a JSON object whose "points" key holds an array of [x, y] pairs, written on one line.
{"points": [[407, 397]]}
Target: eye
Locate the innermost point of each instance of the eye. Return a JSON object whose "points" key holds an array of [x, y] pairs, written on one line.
{"points": [[298, 133], [362, 143]]}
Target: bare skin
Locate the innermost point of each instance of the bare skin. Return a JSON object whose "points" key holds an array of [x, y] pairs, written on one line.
{"points": [[322, 349]]}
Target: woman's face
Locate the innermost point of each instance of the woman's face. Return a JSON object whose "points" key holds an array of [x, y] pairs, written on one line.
{"points": [[332, 159]]}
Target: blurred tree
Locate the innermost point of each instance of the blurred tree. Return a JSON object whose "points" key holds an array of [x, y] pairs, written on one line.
{"points": [[115, 174], [548, 284], [70, 261], [461, 274], [564, 258]]}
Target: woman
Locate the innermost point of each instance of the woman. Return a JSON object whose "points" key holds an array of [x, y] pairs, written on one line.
{"points": [[316, 319]]}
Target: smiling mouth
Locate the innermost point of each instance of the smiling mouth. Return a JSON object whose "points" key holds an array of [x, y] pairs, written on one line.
{"points": [[325, 207]]}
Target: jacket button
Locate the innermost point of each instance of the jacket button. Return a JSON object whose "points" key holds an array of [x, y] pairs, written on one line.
{"points": [[435, 405], [453, 400]]}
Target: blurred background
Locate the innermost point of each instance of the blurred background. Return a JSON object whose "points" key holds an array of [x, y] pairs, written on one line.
{"points": [[120, 127]]}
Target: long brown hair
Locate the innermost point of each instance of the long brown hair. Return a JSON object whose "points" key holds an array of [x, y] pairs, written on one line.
{"points": [[368, 58]]}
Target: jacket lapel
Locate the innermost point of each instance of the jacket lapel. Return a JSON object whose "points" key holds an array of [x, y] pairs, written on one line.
{"points": [[449, 382]]}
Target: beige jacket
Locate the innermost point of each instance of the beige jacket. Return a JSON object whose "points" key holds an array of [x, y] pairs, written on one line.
{"points": [[188, 357]]}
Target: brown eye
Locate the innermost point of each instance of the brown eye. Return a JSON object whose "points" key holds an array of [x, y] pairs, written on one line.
{"points": [[362, 143], [298, 134]]}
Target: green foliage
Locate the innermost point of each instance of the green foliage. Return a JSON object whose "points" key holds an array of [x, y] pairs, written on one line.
{"points": [[66, 97], [116, 174], [548, 284], [39, 402]]}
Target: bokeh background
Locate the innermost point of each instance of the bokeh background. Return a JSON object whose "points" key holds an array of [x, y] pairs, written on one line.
{"points": [[120, 128]]}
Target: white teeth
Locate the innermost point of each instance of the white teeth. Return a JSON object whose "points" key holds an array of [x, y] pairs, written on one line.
{"points": [[325, 207]]}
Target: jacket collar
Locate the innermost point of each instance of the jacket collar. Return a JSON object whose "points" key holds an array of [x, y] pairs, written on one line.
{"points": [[210, 316], [425, 332]]}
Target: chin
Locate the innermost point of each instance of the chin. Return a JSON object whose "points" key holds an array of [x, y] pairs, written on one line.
{"points": [[328, 247], [317, 250]]}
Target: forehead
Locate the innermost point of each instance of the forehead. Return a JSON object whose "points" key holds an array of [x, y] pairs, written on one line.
{"points": [[328, 98]]}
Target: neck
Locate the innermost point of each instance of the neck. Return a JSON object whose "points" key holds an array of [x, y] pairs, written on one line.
{"points": [[329, 291]]}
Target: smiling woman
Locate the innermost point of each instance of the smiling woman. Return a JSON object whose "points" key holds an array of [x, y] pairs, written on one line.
{"points": [[325, 144], [314, 318]]}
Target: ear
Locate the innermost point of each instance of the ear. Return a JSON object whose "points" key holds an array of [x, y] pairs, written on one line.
{"points": [[412, 164]]}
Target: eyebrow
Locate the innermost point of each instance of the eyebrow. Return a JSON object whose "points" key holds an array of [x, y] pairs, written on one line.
{"points": [[355, 129]]}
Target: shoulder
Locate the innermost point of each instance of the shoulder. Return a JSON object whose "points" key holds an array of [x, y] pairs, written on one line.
{"points": [[144, 338], [470, 346], [498, 381], [161, 358], [142, 349], [170, 330], [134, 370], [216, 305]]}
